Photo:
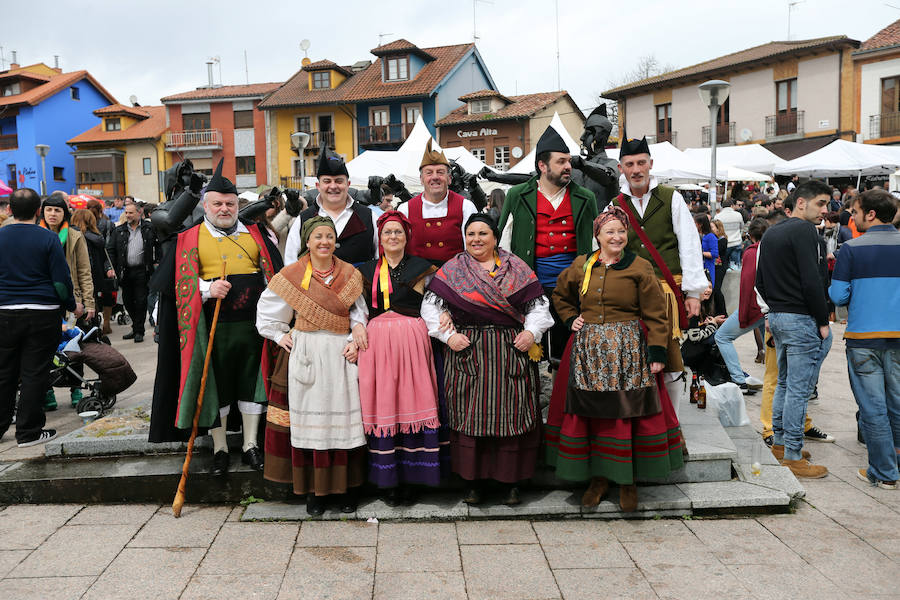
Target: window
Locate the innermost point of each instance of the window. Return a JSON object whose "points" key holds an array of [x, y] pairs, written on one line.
{"points": [[58, 174], [243, 119], [890, 99], [411, 113], [75, 93], [322, 80], [501, 157], [663, 122], [379, 117], [786, 95], [480, 106], [195, 121], [11, 89], [724, 114], [148, 168], [304, 124], [478, 153], [397, 69], [114, 124], [246, 165]]}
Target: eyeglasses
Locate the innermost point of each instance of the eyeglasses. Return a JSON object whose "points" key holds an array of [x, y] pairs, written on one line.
{"points": [[395, 233]]}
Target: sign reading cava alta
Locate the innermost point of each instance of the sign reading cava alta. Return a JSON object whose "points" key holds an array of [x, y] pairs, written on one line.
{"points": [[484, 131]]}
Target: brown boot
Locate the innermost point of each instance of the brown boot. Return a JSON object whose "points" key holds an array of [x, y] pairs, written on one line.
{"points": [[803, 468], [595, 492], [778, 452], [628, 498], [107, 318]]}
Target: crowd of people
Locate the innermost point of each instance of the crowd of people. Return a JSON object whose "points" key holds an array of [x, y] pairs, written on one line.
{"points": [[393, 345]]}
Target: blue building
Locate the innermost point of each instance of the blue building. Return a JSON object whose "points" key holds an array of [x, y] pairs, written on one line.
{"points": [[407, 81], [43, 105]]}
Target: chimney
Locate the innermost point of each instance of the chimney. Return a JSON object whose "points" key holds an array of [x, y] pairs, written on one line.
{"points": [[14, 63], [209, 72]]}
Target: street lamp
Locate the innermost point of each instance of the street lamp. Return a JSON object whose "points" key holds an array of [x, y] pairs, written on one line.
{"points": [[43, 150], [299, 142], [713, 94]]}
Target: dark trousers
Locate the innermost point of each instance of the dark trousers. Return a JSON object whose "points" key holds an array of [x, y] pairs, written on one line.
{"points": [[557, 336], [134, 297], [29, 340]]}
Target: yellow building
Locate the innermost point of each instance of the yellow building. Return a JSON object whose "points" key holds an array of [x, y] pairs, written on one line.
{"points": [[310, 101], [124, 154]]}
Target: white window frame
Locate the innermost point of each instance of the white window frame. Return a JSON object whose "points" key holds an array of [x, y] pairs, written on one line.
{"points": [[479, 153], [401, 67], [501, 158], [480, 106]]}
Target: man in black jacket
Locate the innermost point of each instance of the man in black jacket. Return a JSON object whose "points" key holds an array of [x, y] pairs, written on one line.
{"points": [[134, 251]]}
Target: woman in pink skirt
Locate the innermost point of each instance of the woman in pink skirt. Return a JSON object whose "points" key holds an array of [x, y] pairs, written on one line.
{"points": [[397, 383]]}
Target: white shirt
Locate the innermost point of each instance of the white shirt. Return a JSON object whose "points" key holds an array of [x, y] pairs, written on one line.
{"points": [[203, 284], [733, 222], [537, 320], [292, 244], [693, 280], [432, 210], [274, 315]]}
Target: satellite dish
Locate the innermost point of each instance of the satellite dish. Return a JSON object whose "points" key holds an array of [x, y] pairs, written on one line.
{"points": [[517, 152], [133, 99], [304, 45], [746, 135]]}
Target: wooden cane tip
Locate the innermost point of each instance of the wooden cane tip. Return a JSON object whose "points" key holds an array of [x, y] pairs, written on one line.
{"points": [[176, 507]]}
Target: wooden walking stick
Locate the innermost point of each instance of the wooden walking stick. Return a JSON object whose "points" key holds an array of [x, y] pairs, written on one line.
{"points": [[179, 495]]}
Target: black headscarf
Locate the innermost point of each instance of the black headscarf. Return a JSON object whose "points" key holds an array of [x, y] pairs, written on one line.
{"points": [[487, 220]]}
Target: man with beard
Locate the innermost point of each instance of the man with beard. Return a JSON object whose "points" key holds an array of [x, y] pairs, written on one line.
{"points": [[552, 221], [354, 222], [240, 363], [663, 216], [437, 216]]}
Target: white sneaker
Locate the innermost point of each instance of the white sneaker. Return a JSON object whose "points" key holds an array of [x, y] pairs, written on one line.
{"points": [[753, 382], [46, 436]]}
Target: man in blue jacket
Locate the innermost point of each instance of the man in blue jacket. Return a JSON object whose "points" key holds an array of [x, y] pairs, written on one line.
{"points": [[35, 285], [867, 278]]}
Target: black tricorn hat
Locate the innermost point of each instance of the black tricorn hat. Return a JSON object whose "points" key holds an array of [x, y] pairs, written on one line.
{"points": [[330, 163], [220, 184], [633, 146], [551, 141]]}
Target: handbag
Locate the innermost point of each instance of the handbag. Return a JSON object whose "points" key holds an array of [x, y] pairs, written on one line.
{"points": [[109, 284]]}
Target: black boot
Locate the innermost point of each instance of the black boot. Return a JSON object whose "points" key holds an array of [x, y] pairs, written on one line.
{"points": [[220, 463], [392, 497], [473, 494], [348, 501], [512, 496], [315, 505]]}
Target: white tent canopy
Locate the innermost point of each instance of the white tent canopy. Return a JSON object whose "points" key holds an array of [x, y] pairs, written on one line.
{"points": [[671, 163], [841, 158], [751, 157]]}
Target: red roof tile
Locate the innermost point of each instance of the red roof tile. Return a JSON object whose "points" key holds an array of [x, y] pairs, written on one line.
{"points": [[371, 87], [121, 109], [399, 47], [327, 65], [481, 94], [295, 92], [521, 107], [730, 62], [889, 36], [150, 128], [224, 92], [55, 83]]}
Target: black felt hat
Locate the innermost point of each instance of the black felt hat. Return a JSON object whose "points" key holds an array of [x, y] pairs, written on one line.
{"points": [[551, 141], [330, 163], [220, 184], [633, 146]]}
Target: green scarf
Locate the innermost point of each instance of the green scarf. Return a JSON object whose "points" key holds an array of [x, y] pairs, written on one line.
{"points": [[64, 234]]}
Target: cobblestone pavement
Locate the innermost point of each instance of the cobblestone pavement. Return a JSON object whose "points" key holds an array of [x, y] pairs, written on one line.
{"points": [[842, 541]]}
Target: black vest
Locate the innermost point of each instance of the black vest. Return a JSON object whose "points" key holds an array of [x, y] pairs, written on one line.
{"points": [[356, 243], [404, 299]]}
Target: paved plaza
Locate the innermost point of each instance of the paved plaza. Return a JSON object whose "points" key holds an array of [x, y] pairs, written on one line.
{"points": [[841, 541]]}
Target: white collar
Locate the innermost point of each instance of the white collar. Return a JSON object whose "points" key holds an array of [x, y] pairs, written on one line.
{"points": [[626, 188], [441, 203], [241, 228], [347, 207]]}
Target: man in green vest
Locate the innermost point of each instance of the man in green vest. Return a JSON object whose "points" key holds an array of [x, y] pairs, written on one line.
{"points": [[552, 222], [666, 220]]}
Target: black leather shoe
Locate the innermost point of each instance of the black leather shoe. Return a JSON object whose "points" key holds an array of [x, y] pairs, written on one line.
{"points": [[128, 336], [315, 505], [254, 458], [138, 338], [392, 497], [220, 463], [473, 496], [512, 497], [348, 502]]}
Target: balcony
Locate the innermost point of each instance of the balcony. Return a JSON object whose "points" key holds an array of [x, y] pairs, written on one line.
{"points": [[9, 142], [194, 139], [786, 125], [315, 141], [378, 135], [294, 181], [667, 136], [880, 126], [724, 134]]}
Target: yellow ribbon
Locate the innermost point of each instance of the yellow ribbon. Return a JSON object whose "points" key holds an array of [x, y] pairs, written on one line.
{"points": [[493, 272], [384, 279], [588, 266], [307, 275]]}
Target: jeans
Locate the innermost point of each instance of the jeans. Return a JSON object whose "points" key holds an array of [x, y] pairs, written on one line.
{"points": [[875, 381], [27, 346], [800, 353], [733, 256], [729, 331]]}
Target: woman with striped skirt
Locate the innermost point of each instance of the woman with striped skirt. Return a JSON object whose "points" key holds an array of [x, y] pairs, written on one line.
{"points": [[610, 416], [488, 306]]}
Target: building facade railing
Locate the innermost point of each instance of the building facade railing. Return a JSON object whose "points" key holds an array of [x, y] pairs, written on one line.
{"points": [[9, 141], [884, 125], [786, 123], [391, 133], [197, 138], [724, 134]]}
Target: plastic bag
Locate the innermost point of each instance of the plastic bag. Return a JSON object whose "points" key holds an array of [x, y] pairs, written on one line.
{"points": [[728, 400]]}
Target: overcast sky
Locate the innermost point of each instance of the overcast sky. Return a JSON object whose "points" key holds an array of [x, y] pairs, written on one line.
{"points": [[152, 49]]}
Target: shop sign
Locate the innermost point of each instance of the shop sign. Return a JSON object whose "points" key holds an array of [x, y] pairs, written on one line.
{"points": [[484, 131]]}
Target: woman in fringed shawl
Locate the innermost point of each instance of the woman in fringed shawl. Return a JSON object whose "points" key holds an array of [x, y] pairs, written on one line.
{"points": [[314, 433], [488, 306], [397, 381], [610, 416]]}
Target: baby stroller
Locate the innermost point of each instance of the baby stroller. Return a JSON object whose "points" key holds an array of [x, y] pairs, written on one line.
{"points": [[120, 315], [115, 374]]}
